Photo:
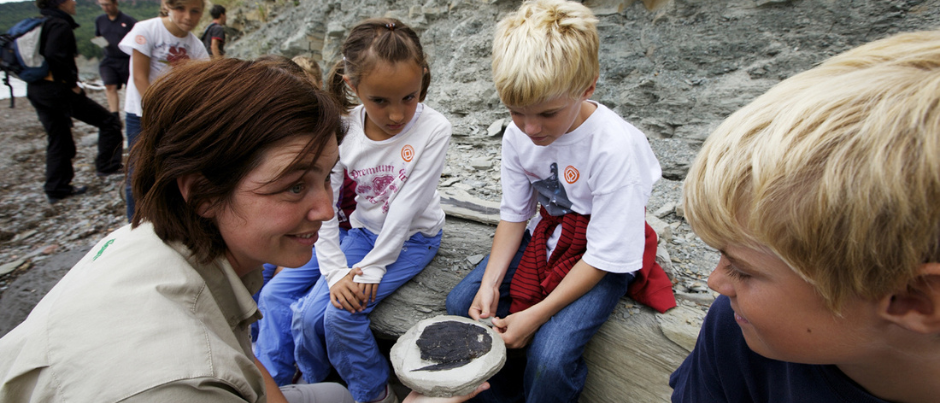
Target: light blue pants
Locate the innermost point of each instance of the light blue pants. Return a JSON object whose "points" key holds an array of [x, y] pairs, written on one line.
{"points": [[274, 345], [325, 335]]}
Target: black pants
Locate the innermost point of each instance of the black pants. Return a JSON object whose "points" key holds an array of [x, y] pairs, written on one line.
{"points": [[56, 105]]}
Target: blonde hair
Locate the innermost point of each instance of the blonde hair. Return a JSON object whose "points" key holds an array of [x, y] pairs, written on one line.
{"points": [[835, 170], [311, 69], [546, 49]]}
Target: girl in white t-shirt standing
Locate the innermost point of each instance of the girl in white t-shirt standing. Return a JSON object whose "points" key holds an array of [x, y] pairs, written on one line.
{"points": [[394, 150], [155, 45]]}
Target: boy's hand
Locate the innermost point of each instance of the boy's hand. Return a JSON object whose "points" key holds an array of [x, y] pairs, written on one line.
{"points": [[367, 291], [345, 293], [517, 329], [484, 303]]}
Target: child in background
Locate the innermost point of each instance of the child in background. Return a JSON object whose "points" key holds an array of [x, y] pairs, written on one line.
{"points": [[394, 151], [822, 196], [553, 283], [155, 45]]}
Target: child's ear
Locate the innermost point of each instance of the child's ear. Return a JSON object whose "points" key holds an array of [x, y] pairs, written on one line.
{"points": [[917, 306], [185, 184], [589, 92]]}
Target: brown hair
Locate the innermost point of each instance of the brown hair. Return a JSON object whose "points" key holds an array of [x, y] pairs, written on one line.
{"points": [[283, 63], [216, 119], [167, 5], [385, 39]]}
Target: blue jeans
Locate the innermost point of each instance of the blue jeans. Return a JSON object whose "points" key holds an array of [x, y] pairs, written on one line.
{"points": [[325, 335], [551, 368], [131, 129], [274, 345], [267, 273]]}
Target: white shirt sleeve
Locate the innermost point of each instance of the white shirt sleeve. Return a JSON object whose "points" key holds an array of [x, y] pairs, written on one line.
{"points": [[137, 39], [330, 257], [617, 231], [518, 201]]}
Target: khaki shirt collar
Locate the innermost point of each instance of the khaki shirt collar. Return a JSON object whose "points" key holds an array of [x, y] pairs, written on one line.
{"points": [[233, 294]]}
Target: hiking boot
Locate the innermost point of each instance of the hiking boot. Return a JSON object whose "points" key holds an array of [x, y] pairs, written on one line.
{"points": [[76, 190], [107, 174]]}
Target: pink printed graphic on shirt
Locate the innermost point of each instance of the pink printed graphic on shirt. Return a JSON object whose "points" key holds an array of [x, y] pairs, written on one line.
{"points": [[176, 55], [380, 183], [376, 185]]}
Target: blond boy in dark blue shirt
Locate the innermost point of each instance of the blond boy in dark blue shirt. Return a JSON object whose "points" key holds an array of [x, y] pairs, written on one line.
{"points": [[823, 196]]}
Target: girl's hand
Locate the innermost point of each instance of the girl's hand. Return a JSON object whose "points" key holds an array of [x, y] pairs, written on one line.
{"points": [[485, 302], [345, 293], [367, 291], [517, 329], [416, 397]]}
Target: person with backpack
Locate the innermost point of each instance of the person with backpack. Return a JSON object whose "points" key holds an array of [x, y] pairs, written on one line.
{"points": [[214, 35], [57, 99]]}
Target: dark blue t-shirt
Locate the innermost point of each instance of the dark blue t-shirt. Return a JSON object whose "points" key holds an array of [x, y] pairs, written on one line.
{"points": [[113, 32], [722, 368]]}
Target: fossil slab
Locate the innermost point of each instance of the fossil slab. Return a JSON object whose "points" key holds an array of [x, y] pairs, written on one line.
{"points": [[447, 356]]}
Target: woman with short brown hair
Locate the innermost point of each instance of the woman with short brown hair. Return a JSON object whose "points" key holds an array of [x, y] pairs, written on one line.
{"points": [[231, 170]]}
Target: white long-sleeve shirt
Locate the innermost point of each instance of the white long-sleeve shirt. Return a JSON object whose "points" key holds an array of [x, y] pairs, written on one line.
{"points": [[396, 191]]}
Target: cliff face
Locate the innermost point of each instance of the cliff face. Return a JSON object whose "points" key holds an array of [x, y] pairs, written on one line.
{"points": [[673, 68], [674, 71]]}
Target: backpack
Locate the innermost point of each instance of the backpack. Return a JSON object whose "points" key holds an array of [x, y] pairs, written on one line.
{"points": [[205, 36], [20, 53]]}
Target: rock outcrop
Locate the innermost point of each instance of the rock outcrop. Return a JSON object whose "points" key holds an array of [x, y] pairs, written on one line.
{"points": [[629, 359], [673, 68]]}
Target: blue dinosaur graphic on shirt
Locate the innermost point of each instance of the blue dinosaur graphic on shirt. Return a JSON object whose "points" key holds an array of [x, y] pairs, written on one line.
{"points": [[552, 195]]}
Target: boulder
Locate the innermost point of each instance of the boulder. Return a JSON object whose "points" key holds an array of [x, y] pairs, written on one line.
{"points": [[29, 288], [629, 360]]}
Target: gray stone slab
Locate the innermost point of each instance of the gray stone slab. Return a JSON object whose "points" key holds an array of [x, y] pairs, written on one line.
{"points": [[409, 365], [26, 291]]}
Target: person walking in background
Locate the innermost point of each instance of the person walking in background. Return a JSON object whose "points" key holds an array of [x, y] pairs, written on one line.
{"points": [[114, 68], [155, 45], [214, 35], [58, 98]]}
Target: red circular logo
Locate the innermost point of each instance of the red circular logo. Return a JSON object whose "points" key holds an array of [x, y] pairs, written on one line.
{"points": [[407, 153], [140, 39], [571, 174]]}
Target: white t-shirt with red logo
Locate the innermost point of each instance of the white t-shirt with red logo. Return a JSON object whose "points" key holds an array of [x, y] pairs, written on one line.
{"points": [[396, 191], [152, 39], [604, 168]]}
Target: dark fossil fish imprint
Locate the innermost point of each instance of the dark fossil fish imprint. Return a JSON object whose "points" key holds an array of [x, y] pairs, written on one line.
{"points": [[452, 344]]}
